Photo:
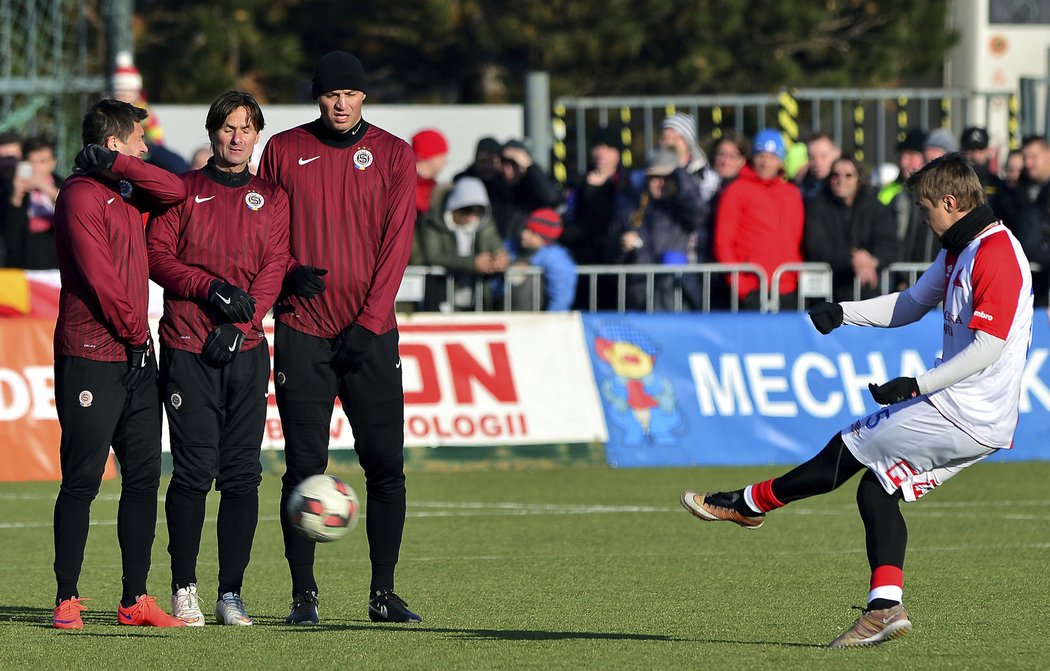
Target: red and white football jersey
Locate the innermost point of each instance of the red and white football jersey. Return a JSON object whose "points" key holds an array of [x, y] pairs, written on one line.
{"points": [[987, 287]]}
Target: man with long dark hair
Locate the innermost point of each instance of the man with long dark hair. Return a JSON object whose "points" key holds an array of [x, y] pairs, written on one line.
{"points": [[221, 257]]}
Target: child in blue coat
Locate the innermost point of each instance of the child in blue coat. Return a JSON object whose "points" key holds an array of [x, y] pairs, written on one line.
{"points": [[539, 247]]}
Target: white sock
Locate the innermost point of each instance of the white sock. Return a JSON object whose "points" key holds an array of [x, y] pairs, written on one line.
{"points": [[750, 501]]}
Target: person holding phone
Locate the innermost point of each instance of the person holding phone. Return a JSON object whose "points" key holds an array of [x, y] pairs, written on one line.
{"points": [[31, 211]]}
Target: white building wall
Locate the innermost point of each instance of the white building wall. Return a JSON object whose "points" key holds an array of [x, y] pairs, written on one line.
{"points": [[462, 125]]}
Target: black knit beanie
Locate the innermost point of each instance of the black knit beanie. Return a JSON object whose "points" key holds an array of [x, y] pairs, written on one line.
{"points": [[339, 71]]}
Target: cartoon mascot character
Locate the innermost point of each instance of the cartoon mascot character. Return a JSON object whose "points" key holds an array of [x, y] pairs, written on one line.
{"points": [[637, 401]]}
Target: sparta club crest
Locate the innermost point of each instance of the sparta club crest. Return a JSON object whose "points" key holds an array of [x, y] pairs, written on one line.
{"points": [[254, 201], [363, 158]]}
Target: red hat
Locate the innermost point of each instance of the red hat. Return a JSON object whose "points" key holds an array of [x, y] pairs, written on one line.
{"points": [[126, 76], [545, 222], [428, 144]]}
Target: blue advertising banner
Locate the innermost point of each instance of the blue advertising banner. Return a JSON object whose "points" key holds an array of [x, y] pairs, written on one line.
{"points": [[752, 389]]}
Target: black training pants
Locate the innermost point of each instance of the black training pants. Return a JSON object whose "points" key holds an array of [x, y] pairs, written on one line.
{"points": [[885, 532], [374, 402], [96, 411], [216, 418]]}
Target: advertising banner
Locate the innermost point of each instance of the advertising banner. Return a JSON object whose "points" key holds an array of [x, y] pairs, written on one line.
{"points": [[487, 379], [659, 390], [720, 389], [29, 431]]}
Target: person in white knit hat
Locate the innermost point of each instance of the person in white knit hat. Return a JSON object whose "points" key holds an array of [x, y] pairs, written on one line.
{"points": [[126, 85], [678, 132]]}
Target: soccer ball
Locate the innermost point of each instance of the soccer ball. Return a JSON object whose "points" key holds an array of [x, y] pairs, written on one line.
{"points": [[323, 508]]}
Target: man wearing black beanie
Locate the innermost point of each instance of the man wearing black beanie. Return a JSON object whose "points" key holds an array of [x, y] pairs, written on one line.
{"points": [[351, 189], [338, 70]]}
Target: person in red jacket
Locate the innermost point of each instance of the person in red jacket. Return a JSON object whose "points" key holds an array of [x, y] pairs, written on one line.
{"points": [[760, 220], [431, 150], [105, 372], [221, 257]]}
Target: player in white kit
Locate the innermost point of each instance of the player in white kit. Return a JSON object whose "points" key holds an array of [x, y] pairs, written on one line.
{"points": [[933, 426]]}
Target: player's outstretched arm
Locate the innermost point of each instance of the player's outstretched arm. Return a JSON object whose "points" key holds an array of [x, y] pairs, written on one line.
{"points": [[889, 311]]}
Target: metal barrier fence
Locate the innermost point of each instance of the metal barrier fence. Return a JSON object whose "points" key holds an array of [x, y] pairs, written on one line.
{"points": [[910, 272], [649, 274], [866, 123], [522, 289], [524, 279]]}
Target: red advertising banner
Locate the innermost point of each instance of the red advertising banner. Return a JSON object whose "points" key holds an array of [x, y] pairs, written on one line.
{"points": [[29, 431], [493, 379]]}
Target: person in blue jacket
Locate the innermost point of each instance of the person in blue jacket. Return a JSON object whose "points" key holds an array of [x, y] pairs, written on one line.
{"points": [[539, 247]]}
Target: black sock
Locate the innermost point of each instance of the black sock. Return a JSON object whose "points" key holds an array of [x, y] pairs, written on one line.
{"points": [[742, 507], [881, 604], [60, 599], [238, 516], [136, 527]]}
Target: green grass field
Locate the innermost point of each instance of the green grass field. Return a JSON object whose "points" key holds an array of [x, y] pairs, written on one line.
{"points": [[576, 568]]}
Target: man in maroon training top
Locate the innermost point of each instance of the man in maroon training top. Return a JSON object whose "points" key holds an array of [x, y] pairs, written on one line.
{"points": [[221, 257], [351, 187], [105, 372]]}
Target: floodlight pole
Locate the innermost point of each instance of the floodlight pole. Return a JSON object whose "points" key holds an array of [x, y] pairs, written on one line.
{"points": [[538, 117], [119, 15]]}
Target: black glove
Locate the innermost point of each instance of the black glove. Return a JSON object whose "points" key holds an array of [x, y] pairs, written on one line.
{"points": [[94, 158], [235, 304], [306, 282], [141, 366], [826, 317], [221, 345], [896, 390], [351, 347]]}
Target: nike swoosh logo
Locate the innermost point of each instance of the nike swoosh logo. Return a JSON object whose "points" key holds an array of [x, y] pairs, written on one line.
{"points": [[398, 364], [233, 347], [223, 298], [110, 201], [304, 161], [381, 611], [125, 616], [198, 199]]}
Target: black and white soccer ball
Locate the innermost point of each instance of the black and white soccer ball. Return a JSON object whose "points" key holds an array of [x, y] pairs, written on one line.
{"points": [[323, 508]]}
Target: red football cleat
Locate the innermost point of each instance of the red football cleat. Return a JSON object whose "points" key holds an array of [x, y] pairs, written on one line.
{"points": [[146, 613], [67, 614]]}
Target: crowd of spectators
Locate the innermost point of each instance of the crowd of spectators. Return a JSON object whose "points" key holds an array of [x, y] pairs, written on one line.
{"points": [[745, 204], [744, 201]]}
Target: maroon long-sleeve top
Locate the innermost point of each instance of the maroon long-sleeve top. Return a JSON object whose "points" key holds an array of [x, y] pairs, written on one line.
{"points": [[234, 233], [101, 245], [352, 212]]}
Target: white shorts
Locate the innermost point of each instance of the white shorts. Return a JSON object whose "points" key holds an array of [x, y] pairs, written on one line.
{"points": [[912, 447]]}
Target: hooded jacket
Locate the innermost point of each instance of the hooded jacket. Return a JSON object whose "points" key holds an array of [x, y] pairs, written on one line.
{"points": [[443, 243]]}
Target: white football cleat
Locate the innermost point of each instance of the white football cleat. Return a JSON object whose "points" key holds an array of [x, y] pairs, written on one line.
{"points": [[186, 607], [230, 610]]}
